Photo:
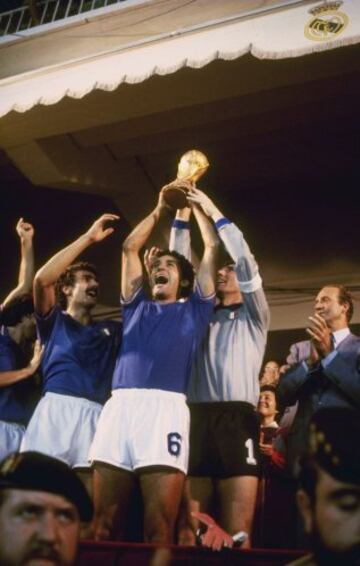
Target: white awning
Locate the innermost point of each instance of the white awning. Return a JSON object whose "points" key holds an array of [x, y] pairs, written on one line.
{"points": [[292, 32]]}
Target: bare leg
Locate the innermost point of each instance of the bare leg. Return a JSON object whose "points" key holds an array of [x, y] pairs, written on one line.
{"points": [[113, 488], [85, 475], [162, 489], [201, 493], [185, 524], [237, 499]]}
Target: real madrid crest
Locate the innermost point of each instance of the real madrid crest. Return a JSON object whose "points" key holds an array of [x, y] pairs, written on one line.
{"points": [[327, 22]]}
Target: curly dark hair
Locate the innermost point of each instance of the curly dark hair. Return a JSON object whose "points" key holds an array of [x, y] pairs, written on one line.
{"points": [[186, 272], [68, 278]]}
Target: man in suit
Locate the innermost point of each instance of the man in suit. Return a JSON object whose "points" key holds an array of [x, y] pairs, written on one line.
{"points": [[326, 372]]}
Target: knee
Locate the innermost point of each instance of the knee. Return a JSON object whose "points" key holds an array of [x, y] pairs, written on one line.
{"points": [[158, 529], [102, 527]]}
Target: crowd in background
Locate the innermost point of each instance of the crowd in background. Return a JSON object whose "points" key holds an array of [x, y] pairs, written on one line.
{"points": [[248, 417]]}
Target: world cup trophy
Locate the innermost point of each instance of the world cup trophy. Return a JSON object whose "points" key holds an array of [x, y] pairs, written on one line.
{"points": [[192, 165]]}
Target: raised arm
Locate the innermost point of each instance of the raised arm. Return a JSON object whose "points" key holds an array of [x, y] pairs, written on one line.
{"points": [[207, 269], [25, 232], [45, 278], [246, 268], [180, 233], [234, 242], [131, 271]]}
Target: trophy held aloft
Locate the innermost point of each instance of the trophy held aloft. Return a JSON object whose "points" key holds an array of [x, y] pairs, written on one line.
{"points": [[192, 166]]}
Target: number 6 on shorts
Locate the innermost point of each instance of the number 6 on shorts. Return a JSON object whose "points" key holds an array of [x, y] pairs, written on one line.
{"points": [[174, 443]]}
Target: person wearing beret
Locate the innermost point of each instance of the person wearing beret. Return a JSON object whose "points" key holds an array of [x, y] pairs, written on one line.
{"points": [[329, 494], [42, 504]]}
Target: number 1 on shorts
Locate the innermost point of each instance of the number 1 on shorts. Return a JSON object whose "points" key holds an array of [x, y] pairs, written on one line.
{"points": [[250, 459]]}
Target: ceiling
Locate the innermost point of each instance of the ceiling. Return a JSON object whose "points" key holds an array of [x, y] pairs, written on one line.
{"points": [[282, 138]]}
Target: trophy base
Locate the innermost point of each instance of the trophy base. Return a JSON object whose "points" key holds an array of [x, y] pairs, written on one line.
{"points": [[175, 197]]}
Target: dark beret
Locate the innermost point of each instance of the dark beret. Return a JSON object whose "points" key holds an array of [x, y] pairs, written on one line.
{"points": [[37, 472], [334, 442]]}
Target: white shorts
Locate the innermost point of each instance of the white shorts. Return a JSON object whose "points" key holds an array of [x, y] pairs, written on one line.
{"points": [[63, 426], [11, 435], [143, 427]]}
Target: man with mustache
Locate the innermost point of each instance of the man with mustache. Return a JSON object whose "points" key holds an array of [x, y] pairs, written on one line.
{"points": [[41, 505], [79, 354], [326, 372]]}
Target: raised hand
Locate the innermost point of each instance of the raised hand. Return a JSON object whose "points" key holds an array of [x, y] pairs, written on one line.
{"points": [[314, 356], [98, 231], [149, 255], [320, 336], [25, 230], [196, 196], [162, 204]]}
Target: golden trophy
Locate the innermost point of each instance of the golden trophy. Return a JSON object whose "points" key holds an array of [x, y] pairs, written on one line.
{"points": [[192, 166]]}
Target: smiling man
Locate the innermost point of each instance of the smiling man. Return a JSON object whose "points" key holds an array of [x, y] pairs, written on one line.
{"points": [[41, 505], [143, 429], [224, 386], [79, 354], [326, 372]]}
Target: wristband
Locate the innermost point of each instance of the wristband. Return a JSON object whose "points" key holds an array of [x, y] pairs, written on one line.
{"points": [[221, 222], [181, 224]]}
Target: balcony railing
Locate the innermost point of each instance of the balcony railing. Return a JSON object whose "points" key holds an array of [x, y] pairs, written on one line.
{"points": [[40, 12]]}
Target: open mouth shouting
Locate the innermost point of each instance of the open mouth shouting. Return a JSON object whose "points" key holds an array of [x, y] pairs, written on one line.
{"points": [[161, 279], [92, 293], [160, 285]]}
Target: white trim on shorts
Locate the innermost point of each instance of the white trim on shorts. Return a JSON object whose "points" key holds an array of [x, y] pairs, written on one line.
{"points": [[11, 435], [63, 426], [139, 428]]}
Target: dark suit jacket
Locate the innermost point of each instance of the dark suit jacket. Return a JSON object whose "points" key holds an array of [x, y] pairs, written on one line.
{"points": [[337, 385]]}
